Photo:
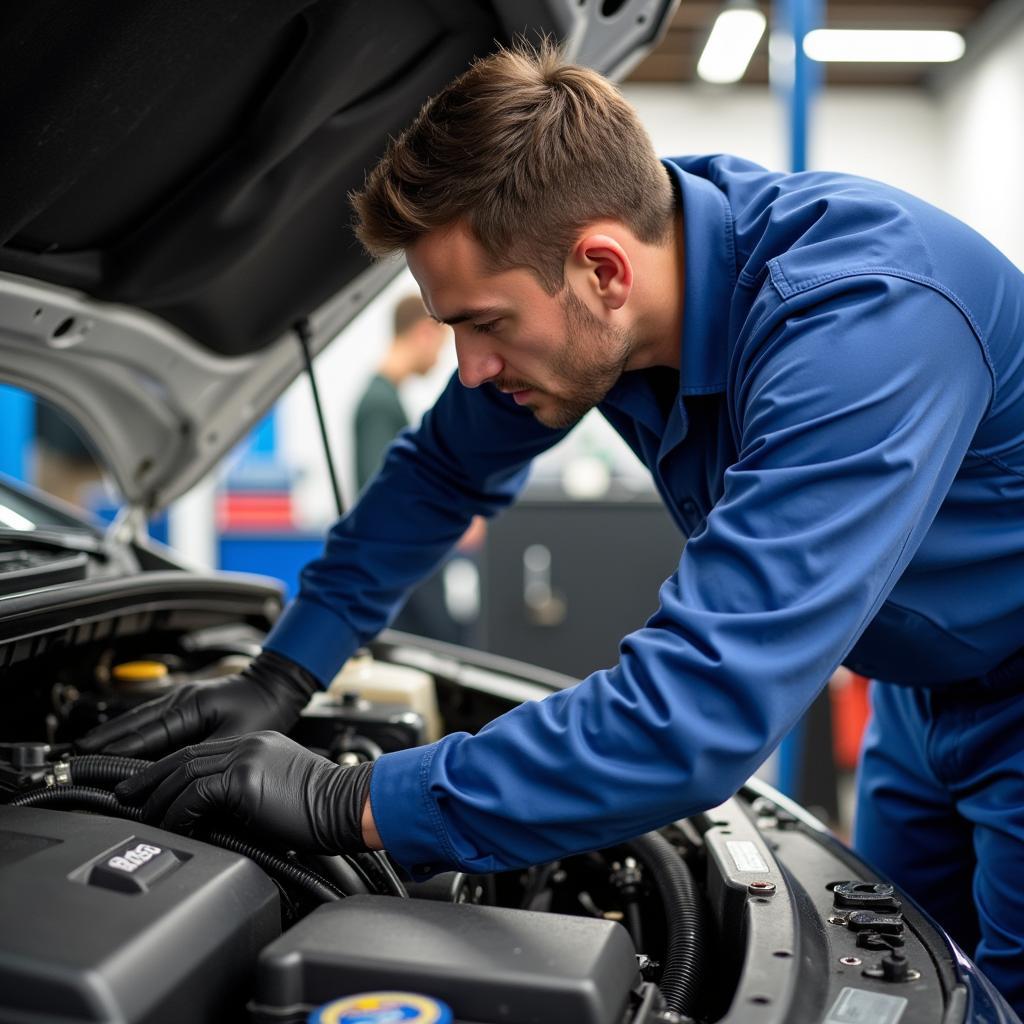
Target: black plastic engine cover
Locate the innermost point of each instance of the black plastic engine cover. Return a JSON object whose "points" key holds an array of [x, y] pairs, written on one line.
{"points": [[110, 920], [490, 964]]}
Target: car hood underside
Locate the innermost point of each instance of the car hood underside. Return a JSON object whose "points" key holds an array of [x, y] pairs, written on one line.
{"points": [[174, 189]]}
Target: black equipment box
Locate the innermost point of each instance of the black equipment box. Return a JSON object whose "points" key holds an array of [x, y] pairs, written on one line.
{"points": [[489, 964], [110, 920]]}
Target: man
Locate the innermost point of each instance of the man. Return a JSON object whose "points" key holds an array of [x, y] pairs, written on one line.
{"points": [[413, 352], [380, 417], [826, 380]]}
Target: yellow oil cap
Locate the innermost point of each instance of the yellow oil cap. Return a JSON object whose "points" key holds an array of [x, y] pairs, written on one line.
{"points": [[139, 671]]}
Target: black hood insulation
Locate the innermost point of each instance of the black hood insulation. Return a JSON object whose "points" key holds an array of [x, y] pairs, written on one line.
{"points": [[193, 159]]}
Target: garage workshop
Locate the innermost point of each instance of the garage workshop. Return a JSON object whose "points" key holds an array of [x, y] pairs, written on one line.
{"points": [[512, 512]]}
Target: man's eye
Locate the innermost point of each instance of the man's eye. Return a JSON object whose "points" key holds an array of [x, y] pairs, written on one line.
{"points": [[485, 328]]}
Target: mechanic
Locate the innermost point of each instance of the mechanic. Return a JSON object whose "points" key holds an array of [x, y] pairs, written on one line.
{"points": [[825, 377]]}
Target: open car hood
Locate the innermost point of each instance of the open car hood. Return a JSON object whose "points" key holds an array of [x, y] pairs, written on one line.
{"points": [[173, 195]]}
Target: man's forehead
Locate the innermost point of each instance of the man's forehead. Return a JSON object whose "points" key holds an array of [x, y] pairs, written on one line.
{"points": [[455, 282], [451, 250], [449, 304]]}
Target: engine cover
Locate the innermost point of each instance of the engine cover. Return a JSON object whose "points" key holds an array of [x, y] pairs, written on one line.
{"points": [[489, 964], [110, 920]]}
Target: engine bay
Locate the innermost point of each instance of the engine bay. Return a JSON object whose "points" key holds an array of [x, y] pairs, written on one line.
{"points": [[122, 921], [130, 922]]}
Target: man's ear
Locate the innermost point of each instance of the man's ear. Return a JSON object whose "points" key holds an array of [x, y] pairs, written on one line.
{"points": [[601, 265]]}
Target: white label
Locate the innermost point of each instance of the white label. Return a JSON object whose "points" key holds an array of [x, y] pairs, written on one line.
{"points": [[745, 855], [859, 1006], [135, 858]]}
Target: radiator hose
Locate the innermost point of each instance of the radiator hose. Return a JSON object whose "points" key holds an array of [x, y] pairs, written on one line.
{"points": [[684, 918]]}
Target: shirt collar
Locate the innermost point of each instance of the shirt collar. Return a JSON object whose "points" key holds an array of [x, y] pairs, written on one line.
{"points": [[710, 282]]}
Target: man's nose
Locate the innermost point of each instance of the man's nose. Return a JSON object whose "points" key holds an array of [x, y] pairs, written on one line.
{"points": [[477, 364]]}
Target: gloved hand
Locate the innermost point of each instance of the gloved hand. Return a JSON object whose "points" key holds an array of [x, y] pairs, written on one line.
{"points": [[268, 693], [264, 781]]}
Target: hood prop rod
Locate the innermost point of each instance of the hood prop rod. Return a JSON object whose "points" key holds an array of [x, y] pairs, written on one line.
{"points": [[305, 336]]}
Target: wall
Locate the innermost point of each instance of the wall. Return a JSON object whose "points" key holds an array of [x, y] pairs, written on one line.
{"points": [[891, 134], [982, 113]]}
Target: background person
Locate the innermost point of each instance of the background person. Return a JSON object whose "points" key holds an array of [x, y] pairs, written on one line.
{"points": [[380, 417]]}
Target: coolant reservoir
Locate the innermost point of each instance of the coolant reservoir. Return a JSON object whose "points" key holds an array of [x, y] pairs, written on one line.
{"points": [[381, 683]]}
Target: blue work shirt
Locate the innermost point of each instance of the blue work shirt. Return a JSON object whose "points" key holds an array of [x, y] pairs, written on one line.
{"points": [[843, 445]]}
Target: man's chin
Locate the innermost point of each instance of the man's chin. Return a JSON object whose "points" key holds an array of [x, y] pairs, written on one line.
{"points": [[558, 415]]}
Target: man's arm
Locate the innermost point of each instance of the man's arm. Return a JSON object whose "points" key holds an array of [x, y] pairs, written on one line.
{"points": [[855, 407], [470, 456]]}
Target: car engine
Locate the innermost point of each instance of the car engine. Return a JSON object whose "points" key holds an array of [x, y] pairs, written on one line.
{"points": [[118, 920]]}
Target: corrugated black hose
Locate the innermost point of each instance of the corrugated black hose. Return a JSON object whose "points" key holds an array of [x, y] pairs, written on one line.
{"points": [[314, 884], [84, 797], [110, 769], [104, 802], [104, 769], [684, 917]]}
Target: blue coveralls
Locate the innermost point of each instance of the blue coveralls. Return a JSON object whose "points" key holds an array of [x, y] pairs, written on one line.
{"points": [[843, 445]]}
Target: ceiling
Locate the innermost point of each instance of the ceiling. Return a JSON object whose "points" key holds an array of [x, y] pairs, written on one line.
{"points": [[675, 59]]}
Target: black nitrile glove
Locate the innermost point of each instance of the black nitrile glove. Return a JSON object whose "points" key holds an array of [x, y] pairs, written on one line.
{"points": [[268, 693], [264, 781]]}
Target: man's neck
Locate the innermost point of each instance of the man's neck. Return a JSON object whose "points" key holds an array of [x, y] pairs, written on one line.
{"points": [[659, 326]]}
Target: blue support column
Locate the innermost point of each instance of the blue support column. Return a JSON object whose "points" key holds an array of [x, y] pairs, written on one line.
{"points": [[794, 75], [256, 461], [797, 80], [16, 431]]}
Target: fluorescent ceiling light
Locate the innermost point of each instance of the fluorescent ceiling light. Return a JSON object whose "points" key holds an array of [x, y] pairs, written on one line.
{"points": [[730, 46], [833, 44]]}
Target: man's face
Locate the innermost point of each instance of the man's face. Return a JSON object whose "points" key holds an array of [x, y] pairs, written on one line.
{"points": [[551, 353]]}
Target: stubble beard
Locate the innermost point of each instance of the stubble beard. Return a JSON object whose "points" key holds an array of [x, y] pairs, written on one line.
{"points": [[591, 361]]}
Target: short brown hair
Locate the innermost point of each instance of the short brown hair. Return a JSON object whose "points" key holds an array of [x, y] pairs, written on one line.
{"points": [[408, 312], [527, 151]]}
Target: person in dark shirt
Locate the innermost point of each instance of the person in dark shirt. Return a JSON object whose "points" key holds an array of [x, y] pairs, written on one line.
{"points": [[380, 417]]}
